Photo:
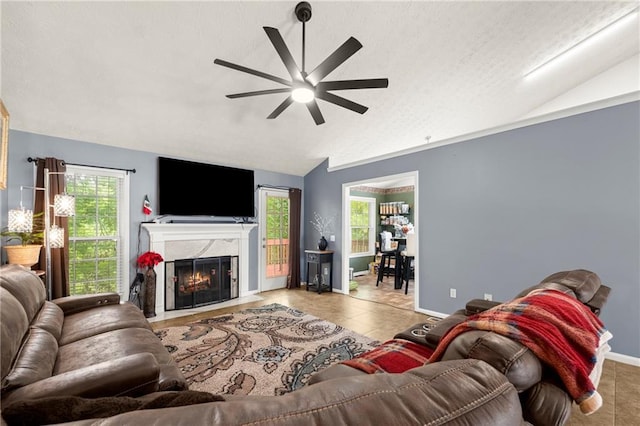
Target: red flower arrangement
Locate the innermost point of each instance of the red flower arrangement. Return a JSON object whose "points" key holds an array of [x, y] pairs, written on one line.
{"points": [[149, 259]]}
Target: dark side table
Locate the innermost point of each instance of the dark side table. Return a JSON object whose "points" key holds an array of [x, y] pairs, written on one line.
{"points": [[318, 259]]}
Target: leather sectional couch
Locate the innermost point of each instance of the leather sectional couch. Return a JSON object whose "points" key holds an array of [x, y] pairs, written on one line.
{"points": [[544, 399], [482, 379], [88, 346]]}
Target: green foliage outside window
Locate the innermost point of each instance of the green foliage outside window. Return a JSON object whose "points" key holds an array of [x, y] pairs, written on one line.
{"points": [[277, 230], [93, 234], [360, 226]]}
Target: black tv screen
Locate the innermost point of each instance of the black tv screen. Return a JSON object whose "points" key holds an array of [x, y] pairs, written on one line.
{"points": [[187, 188]]}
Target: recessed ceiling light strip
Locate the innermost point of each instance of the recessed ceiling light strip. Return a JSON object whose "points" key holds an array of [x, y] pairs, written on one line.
{"points": [[615, 25]]}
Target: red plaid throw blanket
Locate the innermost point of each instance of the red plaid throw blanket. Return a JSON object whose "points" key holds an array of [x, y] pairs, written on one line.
{"points": [[393, 356], [559, 329]]}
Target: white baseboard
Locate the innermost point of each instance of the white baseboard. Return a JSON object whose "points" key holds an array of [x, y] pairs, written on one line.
{"points": [[625, 359], [432, 313]]}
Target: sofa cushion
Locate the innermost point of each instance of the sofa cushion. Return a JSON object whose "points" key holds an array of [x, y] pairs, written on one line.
{"points": [[25, 286], [546, 404], [101, 320], [521, 367], [34, 361], [12, 312], [336, 371], [132, 375], [117, 344], [599, 299], [50, 318]]}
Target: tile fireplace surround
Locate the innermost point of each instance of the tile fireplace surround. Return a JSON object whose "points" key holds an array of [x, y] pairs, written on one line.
{"points": [[194, 240]]}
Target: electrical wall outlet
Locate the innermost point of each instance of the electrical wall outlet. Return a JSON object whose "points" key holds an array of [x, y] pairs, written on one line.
{"points": [[452, 293], [488, 296], [332, 238]]}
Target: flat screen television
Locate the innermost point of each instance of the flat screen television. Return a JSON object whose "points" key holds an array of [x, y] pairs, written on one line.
{"points": [[188, 188]]}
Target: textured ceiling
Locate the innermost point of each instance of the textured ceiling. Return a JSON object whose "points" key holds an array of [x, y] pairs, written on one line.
{"points": [[140, 74]]}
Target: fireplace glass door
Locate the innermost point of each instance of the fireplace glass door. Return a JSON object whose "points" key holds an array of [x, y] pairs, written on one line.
{"points": [[202, 281]]}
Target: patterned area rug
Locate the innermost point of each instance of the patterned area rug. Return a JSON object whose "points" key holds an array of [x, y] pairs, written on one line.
{"points": [[270, 350]]}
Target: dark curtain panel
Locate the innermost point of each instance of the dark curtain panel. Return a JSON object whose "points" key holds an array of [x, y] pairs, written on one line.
{"points": [[295, 209], [59, 256]]}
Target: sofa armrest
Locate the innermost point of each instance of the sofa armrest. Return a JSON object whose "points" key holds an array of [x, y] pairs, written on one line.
{"points": [[131, 375], [442, 327], [73, 304], [476, 306]]}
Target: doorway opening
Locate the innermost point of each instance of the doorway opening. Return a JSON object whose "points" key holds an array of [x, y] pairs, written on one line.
{"points": [[369, 207]]}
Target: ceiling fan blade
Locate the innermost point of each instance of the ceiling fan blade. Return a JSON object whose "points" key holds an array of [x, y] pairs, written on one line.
{"points": [[340, 101], [276, 112], [252, 72], [371, 83], [257, 93], [334, 60], [315, 112], [285, 54]]}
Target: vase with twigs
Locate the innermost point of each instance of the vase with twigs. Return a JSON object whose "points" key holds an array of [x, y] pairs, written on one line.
{"points": [[322, 225]]}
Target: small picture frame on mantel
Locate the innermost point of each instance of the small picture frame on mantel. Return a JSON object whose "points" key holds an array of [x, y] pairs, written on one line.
{"points": [[4, 145]]}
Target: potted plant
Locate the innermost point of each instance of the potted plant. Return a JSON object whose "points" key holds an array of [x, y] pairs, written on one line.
{"points": [[27, 253]]}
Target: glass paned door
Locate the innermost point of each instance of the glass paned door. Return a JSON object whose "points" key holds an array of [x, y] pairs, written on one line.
{"points": [[274, 207]]}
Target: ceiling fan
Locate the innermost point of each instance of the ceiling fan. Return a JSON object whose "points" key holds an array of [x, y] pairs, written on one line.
{"points": [[307, 87]]}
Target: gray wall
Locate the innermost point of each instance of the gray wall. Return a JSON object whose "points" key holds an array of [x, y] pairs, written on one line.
{"points": [[501, 212], [496, 214], [23, 145]]}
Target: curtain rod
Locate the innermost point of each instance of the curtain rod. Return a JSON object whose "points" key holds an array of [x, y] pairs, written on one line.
{"points": [[266, 185], [35, 160]]}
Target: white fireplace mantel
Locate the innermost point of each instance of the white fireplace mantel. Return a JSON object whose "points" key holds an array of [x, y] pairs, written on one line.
{"points": [[191, 240]]}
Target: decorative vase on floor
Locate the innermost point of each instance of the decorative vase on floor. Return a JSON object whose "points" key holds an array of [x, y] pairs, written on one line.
{"points": [[149, 303], [322, 243]]}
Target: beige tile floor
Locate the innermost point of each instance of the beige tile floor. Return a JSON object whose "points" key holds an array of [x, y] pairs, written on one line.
{"points": [[384, 292], [619, 386]]}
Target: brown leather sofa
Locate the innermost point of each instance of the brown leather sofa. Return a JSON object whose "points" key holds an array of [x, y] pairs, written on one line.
{"points": [[544, 399], [461, 392], [89, 346], [482, 380]]}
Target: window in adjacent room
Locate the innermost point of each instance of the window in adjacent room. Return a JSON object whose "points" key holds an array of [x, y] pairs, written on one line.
{"points": [[99, 231], [363, 226]]}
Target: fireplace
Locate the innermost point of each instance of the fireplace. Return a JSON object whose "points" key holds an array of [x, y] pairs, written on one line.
{"points": [[181, 241], [190, 283]]}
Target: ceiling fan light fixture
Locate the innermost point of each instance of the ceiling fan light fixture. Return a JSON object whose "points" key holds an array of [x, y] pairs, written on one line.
{"points": [[303, 95], [306, 87]]}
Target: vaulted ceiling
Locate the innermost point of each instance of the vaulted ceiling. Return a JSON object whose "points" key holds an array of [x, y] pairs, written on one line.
{"points": [[140, 74]]}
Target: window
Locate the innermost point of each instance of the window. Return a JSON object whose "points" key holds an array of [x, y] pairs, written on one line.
{"points": [[363, 226], [99, 231]]}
